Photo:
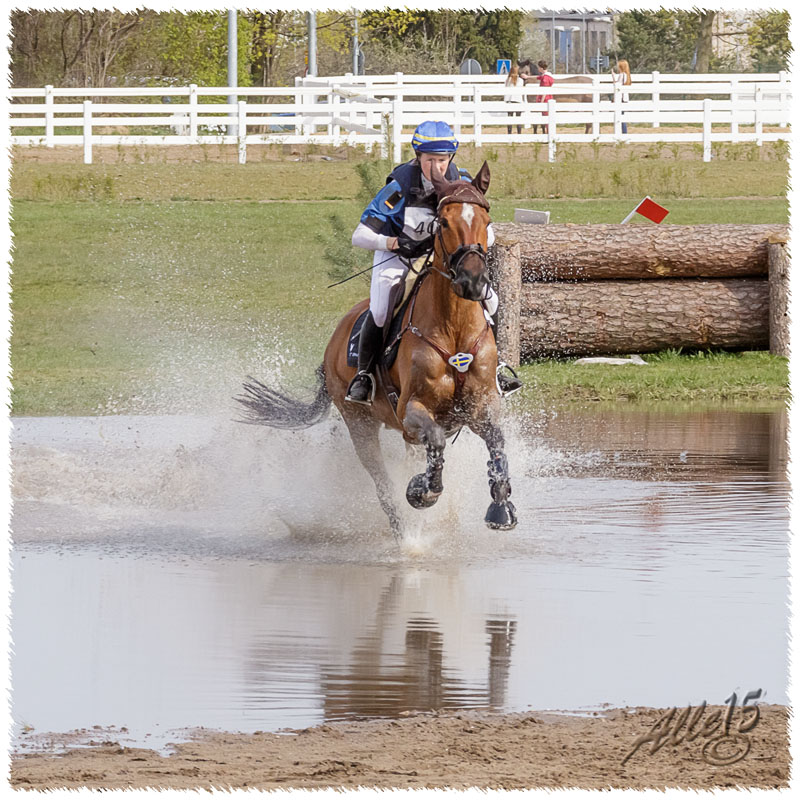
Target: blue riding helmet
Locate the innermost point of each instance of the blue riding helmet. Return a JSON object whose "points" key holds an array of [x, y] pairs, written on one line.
{"points": [[434, 137]]}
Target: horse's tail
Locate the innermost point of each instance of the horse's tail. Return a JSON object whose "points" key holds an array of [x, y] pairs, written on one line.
{"points": [[265, 406]]}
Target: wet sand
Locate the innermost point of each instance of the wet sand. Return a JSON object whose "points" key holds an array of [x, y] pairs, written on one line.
{"points": [[431, 750]]}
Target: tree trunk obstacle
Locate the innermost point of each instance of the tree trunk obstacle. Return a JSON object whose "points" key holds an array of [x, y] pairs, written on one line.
{"points": [[778, 296], [569, 290]]}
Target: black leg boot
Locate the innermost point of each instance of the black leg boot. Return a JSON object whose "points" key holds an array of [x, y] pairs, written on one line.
{"points": [[508, 381], [362, 387]]}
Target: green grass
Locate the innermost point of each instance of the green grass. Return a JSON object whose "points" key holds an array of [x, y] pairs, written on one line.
{"points": [[524, 177], [671, 376], [157, 287]]}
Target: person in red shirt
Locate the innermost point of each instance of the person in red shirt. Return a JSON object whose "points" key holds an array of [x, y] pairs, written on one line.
{"points": [[545, 79]]}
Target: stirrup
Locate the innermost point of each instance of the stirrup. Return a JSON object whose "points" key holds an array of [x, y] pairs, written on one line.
{"points": [[501, 366], [368, 401]]}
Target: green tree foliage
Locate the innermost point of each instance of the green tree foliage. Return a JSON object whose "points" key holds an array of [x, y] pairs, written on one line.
{"points": [[768, 38], [662, 40], [446, 37], [194, 47]]}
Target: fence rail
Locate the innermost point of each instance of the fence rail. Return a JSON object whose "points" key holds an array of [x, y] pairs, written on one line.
{"points": [[368, 111]]}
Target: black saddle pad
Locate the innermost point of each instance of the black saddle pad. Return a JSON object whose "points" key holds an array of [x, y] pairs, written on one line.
{"points": [[388, 336]]}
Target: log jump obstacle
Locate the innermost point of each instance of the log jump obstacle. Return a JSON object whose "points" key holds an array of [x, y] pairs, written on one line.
{"points": [[573, 290]]}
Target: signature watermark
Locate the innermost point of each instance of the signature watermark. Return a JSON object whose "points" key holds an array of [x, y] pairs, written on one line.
{"points": [[726, 740]]}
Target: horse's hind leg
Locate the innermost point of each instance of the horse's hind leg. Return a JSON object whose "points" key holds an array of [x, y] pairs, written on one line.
{"points": [[364, 433], [501, 514], [424, 489]]}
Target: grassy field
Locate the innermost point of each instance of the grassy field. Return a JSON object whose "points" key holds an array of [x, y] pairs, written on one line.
{"points": [[126, 299], [701, 377]]}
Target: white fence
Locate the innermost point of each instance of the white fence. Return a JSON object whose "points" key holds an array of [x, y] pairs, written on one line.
{"points": [[383, 110]]}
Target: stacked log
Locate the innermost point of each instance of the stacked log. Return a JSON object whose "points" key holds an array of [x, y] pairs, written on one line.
{"points": [[616, 289]]}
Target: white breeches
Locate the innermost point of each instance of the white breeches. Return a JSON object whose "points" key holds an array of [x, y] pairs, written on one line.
{"points": [[389, 270]]}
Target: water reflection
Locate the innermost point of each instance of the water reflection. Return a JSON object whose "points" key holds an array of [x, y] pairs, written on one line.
{"points": [[650, 542]]}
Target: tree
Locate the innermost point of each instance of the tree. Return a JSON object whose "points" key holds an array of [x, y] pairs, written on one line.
{"points": [[69, 48], [278, 46], [768, 39], [662, 40], [704, 41], [448, 37]]}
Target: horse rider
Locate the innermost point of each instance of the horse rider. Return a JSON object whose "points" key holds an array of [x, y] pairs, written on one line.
{"points": [[399, 225]]}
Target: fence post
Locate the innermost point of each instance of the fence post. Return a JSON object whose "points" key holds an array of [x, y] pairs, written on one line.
{"points": [[369, 118], [193, 111], [707, 129], [759, 120], [617, 113], [87, 131], [734, 110], [242, 131], [334, 129], [656, 98], [457, 113], [476, 116], [49, 126], [782, 87], [385, 114], [551, 130], [298, 111], [595, 105], [397, 129]]}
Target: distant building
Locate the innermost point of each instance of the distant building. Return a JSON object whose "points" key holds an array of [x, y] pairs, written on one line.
{"points": [[573, 38]]}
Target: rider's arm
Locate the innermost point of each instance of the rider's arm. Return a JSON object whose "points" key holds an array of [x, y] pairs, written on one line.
{"points": [[366, 237], [382, 220]]}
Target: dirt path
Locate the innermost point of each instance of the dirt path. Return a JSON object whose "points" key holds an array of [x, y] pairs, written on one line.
{"points": [[512, 751]]}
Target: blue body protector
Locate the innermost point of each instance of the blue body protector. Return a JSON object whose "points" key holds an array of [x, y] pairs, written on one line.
{"points": [[403, 206]]}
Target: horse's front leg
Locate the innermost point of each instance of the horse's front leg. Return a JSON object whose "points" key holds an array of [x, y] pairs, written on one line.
{"points": [[501, 514], [419, 425]]}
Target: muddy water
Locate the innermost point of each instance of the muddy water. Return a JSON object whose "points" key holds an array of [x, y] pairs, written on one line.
{"points": [[180, 572]]}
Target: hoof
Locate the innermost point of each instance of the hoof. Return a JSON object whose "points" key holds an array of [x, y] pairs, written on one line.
{"points": [[417, 493], [501, 516]]}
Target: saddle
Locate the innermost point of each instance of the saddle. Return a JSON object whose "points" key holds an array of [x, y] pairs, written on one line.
{"points": [[399, 299]]}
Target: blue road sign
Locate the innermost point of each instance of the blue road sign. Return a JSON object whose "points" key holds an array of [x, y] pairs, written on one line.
{"points": [[503, 66]]}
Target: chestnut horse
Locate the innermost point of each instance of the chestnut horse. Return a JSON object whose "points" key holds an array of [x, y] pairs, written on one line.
{"points": [[443, 325]]}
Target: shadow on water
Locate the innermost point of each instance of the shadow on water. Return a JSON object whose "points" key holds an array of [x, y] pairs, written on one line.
{"points": [[176, 572]]}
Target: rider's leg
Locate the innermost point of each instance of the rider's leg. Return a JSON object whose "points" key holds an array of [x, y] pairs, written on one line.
{"points": [[388, 270], [506, 378], [369, 344]]}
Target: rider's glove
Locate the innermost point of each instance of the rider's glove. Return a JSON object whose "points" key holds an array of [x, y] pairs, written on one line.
{"points": [[413, 248]]}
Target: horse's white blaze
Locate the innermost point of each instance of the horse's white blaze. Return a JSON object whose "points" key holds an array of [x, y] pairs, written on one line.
{"points": [[467, 213]]}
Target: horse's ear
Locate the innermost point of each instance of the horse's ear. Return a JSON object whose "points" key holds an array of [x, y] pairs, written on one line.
{"points": [[439, 185], [481, 180]]}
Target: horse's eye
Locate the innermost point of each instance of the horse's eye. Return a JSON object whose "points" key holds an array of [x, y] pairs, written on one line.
{"points": [[444, 223]]}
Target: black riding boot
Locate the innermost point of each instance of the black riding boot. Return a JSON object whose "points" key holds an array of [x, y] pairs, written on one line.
{"points": [[508, 381], [362, 387]]}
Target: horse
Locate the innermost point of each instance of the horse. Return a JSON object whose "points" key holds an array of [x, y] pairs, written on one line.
{"points": [[525, 69], [444, 369]]}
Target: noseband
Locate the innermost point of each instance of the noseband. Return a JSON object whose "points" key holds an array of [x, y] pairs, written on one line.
{"points": [[453, 260]]}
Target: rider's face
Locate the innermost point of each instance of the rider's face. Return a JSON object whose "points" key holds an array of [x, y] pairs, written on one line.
{"points": [[433, 163]]}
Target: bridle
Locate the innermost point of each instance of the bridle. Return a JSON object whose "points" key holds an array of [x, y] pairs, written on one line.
{"points": [[452, 261]]}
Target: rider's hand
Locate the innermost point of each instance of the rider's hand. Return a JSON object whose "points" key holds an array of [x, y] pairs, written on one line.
{"points": [[412, 248], [391, 243]]}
